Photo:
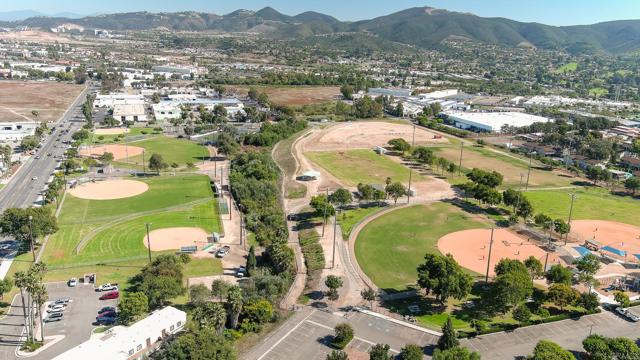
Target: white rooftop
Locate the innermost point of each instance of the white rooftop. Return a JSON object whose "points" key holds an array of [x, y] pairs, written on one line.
{"points": [[495, 120]]}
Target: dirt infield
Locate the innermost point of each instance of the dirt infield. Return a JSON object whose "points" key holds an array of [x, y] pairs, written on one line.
{"points": [[49, 99], [111, 131], [609, 233], [367, 135], [109, 189], [176, 237], [119, 151], [470, 248]]}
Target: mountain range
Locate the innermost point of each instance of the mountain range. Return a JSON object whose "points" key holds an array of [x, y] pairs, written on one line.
{"points": [[424, 27]]}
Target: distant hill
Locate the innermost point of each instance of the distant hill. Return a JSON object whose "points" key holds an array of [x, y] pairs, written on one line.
{"points": [[424, 27], [25, 14]]}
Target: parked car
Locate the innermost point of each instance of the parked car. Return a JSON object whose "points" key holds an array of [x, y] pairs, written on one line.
{"points": [[107, 287], [106, 309], [105, 320], [110, 295], [292, 217], [223, 251], [61, 301], [241, 272], [57, 316], [73, 282], [56, 308], [107, 314], [628, 314]]}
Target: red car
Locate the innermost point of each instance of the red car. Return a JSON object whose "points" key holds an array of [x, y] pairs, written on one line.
{"points": [[110, 295]]}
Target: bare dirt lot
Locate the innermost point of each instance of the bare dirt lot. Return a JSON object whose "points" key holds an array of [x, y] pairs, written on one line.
{"points": [[296, 95], [470, 248], [367, 135], [109, 189], [50, 99], [119, 151], [37, 36], [176, 237]]}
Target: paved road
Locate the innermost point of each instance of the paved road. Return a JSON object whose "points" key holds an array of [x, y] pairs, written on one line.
{"points": [[22, 191]]}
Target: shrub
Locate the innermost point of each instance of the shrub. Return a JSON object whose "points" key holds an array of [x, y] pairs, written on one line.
{"points": [[343, 336]]}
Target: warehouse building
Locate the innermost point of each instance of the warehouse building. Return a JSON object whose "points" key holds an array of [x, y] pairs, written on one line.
{"points": [[491, 121]]}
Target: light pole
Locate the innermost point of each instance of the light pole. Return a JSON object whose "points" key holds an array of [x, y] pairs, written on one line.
{"points": [[413, 143], [486, 278], [33, 247], [573, 197], [335, 226], [148, 241], [324, 216], [515, 206], [526, 187], [460, 162]]}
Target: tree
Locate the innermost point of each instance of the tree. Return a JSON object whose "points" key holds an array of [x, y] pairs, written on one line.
{"points": [[157, 163], [524, 208], [456, 353], [321, 206], [210, 315], [106, 158], [534, 266], [587, 267], [589, 301], [367, 108], [199, 294], [40, 296], [333, 283], [548, 350], [365, 191], [341, 197], [200, 345], [6, 285], [131, 306], [443, 276], [379, 352], [632, 184], [448, 340], [337, 355], [511, 286], [343, 334], [396, 190], [491, 179], [411, 352], [29, 143], [259, 311], [219, 288], [15, 222], [561, 227], [558, 274], [252, 262], [597, 346], [543, 220], [369, 295], [22, 281], [162, 280], [400, 145], [621, 298], [424, 155], [234, 305], [81, 135], [624, 348], [562, 295], [522, 313], [347, 91]]}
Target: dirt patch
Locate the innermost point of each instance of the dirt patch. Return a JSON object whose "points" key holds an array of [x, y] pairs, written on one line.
{"points": [[109, 189], [297, 95], [111, 131], [176, 237], [367, 135], [470, 248], [49, 99], [617, 235], [119, 151]]}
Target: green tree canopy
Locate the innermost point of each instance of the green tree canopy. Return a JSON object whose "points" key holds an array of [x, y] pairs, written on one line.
{"points": [[443, 276]]}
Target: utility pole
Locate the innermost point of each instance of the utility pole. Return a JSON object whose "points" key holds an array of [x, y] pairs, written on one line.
{"points": [[144, 170], [335, 226], [460, 162], [515, 207], [33, 247], [413, 143], [324, 216], [573, 197], [546, 259], [148, 241], [528, 173], [486, 278]]}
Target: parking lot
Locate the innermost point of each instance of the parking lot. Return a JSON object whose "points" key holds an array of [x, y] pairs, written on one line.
{"points": [[308, 336], [77, 322]]}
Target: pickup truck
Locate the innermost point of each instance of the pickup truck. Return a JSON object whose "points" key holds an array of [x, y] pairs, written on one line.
{"points": [[107, 287]]}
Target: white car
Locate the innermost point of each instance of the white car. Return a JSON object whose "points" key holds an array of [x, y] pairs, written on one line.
{"points": [[34, 178], [73, 282], [56, 308], [107, 287]]}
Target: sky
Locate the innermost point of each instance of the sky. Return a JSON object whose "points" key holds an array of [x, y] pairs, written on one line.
{"points": [[552, 12]]}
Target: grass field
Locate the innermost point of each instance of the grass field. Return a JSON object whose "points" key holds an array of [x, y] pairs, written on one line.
{"points": [[390, 247], [567, 68], [285, 160], [508, 166], [598, 92], [361, 166], [592, 203], [119, 224], [180, 151], [134, 132], [349, 218]]}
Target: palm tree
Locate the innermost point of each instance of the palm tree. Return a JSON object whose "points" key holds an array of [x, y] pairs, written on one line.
{"points": [[21, 281], [40, 296], [210, 315], [218, 317], [234, 305]]}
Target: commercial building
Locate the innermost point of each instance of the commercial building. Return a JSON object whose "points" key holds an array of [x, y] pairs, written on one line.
{"points": [[167, 110], [129, 112], [491, 121], [16, 131], [111, 100], [133, 342]]}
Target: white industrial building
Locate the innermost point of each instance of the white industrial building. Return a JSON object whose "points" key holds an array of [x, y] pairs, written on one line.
{"points": [[167, 110], [129, 112], [133, 342], [110, 100], [491, 121], [16, 131]]}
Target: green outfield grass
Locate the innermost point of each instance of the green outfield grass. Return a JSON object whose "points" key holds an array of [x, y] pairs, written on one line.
{"points": [[389, 248], [134, 132], [349, 218], [361, 166], [180, 151], [592, 203]]}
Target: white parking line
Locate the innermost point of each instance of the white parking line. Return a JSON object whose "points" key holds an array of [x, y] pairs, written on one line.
{"points": [[355, 337], [285, 336]]}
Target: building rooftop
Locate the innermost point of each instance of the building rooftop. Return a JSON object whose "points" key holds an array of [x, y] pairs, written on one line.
{"points": [[128, 109], [496, 120]]}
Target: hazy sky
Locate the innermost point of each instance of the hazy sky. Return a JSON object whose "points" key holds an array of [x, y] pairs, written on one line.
{"points": [[553, 12]]}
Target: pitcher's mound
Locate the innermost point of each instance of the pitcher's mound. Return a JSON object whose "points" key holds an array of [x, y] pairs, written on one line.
{"points": [[111, 131], [109, 189], [119, 151], [176, 237]]}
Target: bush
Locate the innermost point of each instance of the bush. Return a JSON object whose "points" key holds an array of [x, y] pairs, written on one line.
{"points": [[31, 346], [144, 132], [343, 336]]}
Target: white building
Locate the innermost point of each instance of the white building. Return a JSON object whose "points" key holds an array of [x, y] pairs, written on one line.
{"points": [[438, 94], [16, 131], [129, 112], [166, 111], [133, 342], [110, 100], [491, 121]]}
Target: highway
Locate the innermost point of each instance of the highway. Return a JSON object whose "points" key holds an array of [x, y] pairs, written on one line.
{"points": [[24, 187]]}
